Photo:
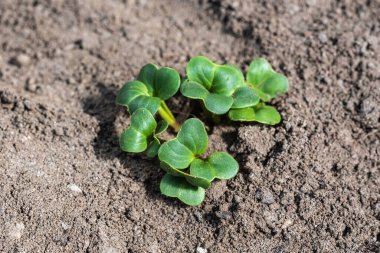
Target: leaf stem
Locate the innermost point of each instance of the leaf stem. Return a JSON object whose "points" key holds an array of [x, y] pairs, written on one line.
{"points": [[167, 115]]}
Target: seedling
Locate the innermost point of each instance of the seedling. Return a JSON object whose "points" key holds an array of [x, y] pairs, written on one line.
{"points": [[142, 134], [153, 86], [182, 157], [221, 89]]}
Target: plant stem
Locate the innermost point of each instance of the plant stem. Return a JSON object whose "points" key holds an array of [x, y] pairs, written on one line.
{"points": [[167, 115]]}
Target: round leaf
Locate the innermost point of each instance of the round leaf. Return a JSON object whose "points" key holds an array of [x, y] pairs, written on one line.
{"points": [[134, 139], [201, 70], [167, 83], [218, 165], [194, 136], [263, 113], [259, 70], [161, 127], [147, 75], [244, 97], [193, 89], [178, 187], [176, 154], [275, 85], [218, 104], [226, 79], [135, 95], [192, 179]]}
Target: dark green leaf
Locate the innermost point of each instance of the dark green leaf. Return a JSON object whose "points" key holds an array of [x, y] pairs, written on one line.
{"points": [[161, 127], [201, 70], [226, 79], [192, 179], [194, 136], [218, 165], [153, 147], [176, 154], [167, 83], [218, 104], [178, 187], [147, 75], [193, 89]]}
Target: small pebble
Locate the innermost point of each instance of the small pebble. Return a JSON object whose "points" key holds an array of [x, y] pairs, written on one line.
{"points": [[28, 105], [198, 216], [74, 188], [6, 97], [17, 230], [58, 131], [323, 37], [65, 226], [201, 250], [20, 60], [264, 195]]}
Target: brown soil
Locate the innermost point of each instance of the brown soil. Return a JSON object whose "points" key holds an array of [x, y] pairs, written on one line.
{"points": [[310, 184]]}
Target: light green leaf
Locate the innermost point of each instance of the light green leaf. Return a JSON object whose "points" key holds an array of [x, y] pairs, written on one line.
{"points": [[134, 139], [193, 89], [275, 85], [201, 70], [135, 95], [166, 83], [226, 80], [259, 70], [244, 97], [178, 187], [218, 165], [192, 179], [262, 113]]}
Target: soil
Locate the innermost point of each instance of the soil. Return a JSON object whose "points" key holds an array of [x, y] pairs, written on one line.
{"points": [[309, 184]]}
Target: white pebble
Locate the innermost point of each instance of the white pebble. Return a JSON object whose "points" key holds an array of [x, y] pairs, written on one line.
{"points": [[74, 188], [17, 230], [201, 250]]}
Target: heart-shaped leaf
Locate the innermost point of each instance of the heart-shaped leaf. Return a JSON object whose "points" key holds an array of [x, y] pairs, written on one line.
{"points": [[192, 179], [152, 86], [192, 140], [218, 165], [178, 187], [212, 83], [135, 138], [260, 113], [261, 75]]}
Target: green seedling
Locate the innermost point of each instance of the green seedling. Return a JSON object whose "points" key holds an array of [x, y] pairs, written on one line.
{"points": [[267, 84], [220, 87], [142, 134], [181, 158], [153, 86]]}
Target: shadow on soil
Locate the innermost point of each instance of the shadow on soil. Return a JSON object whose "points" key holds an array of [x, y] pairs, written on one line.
{"points": [[106, 145]]}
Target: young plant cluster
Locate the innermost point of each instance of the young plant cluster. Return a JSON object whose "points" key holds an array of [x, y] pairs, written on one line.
{"points": [[222, 89]]}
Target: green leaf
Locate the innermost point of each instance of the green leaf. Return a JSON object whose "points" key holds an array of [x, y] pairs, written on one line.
{"points": [[153, 147], [147, 75], [261, 75], [217, 103], [161, 127], [275, 85], [135, 95], [134, 139], [262, 113], [212, 83], [191, 140], [166, 83], [194, 136], [218, 165], [192, 179], [244, 97], [178, 187], [176, 154], [201, 70], [259, 70]]}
